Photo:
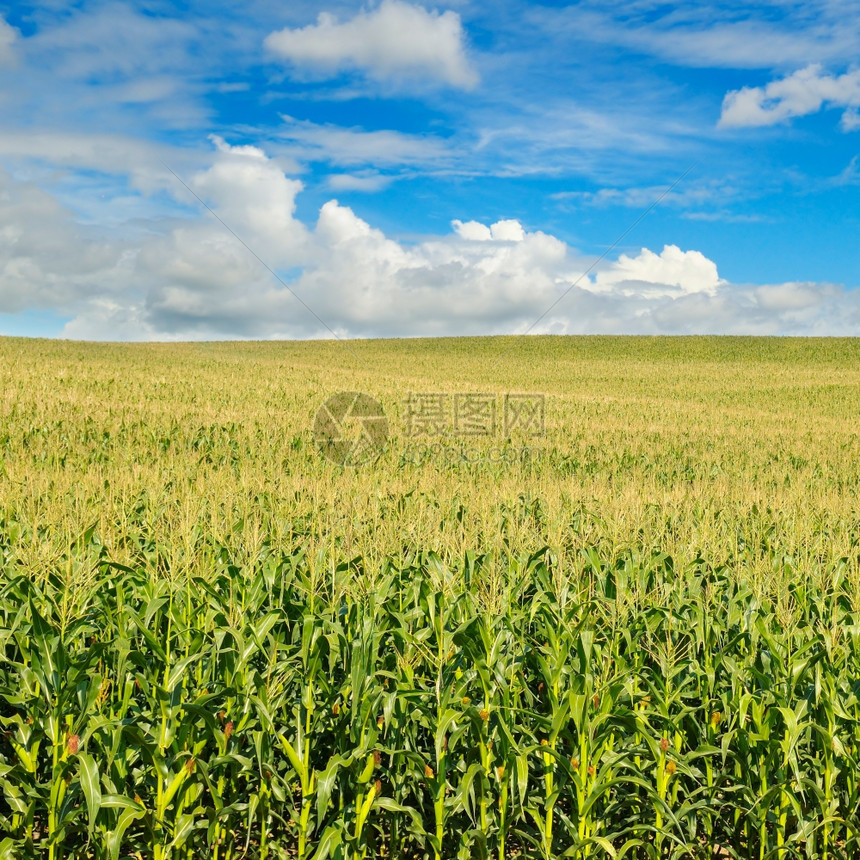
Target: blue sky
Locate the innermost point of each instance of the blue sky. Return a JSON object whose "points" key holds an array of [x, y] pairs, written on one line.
{"points": [[428, 169]]}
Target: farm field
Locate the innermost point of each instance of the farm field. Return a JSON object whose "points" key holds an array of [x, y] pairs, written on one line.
{"points": [[632, 629]]}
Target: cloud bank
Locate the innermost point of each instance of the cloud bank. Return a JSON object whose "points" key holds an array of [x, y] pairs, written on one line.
{"points": [[189, 278], [802, 93], [393, 41]]}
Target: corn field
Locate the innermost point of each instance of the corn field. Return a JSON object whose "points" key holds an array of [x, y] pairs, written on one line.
{"points": [[644, 642]]}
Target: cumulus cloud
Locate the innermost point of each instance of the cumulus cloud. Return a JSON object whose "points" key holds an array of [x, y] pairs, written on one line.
{"points": [[394, 40], [473, 231], [672, 272], [255, 197], [189, 278], [801, 93], [8, 37], [502, 231]]}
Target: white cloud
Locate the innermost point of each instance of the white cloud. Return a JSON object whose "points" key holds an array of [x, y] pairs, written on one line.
{"points": [[354, 146], [790, 296], [849, 175], [507, 231], [256, 199], [392, 41], [801, 93], [47, 260], [644, 196], [715, 34], [8, 37], [502, 231], [190, 279], [113, 42], [673, 272], [364, 181], [110, 67], [107, 153], [850, 120], [472, 231]]}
